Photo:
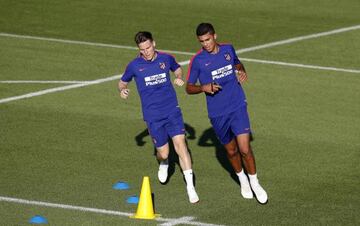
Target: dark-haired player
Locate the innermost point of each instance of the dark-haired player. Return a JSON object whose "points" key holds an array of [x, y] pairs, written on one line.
{"points": [[220, 72]]}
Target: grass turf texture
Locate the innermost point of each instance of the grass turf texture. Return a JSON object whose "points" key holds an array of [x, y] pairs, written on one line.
{"points": [[71, 147]]}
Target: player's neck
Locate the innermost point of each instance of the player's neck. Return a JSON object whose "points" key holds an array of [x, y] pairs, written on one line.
{"points": [[153, 58], [216, 49]]}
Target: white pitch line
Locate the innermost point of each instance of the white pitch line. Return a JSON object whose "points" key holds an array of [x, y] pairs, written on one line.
{"points": [[182, 220], [244, 50], [300, 65], [62, 88], [172, 221], [297, 39], [63, 206], [84, 43], [41, 82], [67, 41], [58, 89]]}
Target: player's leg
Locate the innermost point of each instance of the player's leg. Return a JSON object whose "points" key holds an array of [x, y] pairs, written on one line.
{"points": [[182, 151], [241, 127], [235, 160], [186, 166], [176, 131], [222, 128], [243, 142], [233, 155], [249, 161]]}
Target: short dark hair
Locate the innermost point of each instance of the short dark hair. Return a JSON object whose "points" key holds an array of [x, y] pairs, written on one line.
{"points": [[205, 28], [143, 36]]}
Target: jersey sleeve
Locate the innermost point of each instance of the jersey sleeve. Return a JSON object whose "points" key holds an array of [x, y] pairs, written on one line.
{"points": [[128, 74], [173, 64], [193, 71], [236, 59]]}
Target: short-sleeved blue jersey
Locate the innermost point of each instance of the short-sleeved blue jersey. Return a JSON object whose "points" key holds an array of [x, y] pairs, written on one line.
{"points": [[219, 68], [157, 94]]}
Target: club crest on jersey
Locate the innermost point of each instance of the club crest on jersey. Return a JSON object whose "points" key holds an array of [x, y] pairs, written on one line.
{"points": [[227, 56], [162, 65]]}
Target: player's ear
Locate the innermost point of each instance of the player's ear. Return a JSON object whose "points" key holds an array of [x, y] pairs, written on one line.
{"points": [[154, 44], [215, 36]]}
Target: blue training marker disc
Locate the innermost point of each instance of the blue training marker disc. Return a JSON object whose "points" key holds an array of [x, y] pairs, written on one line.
{"points": [[132, 199], [121, 186], [38, 220]]}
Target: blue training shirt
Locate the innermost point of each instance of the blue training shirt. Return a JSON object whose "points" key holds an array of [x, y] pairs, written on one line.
{"points": [[219, 68], [157, 94]]}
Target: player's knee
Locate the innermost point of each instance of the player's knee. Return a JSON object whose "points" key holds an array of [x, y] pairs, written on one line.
{"points": [[163, 155], [180, 145], [232, 152], [163, 152], [245, 152]]}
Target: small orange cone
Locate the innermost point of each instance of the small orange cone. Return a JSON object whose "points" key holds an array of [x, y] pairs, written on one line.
{"points": [[145, 209]]}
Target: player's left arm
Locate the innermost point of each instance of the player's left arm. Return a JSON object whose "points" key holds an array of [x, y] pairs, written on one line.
{"points": [[240, 72], [239, 67], [178, 77]]}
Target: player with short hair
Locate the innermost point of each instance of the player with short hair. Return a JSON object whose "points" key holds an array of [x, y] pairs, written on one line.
{"points": [[220, 72], [161, 112]]}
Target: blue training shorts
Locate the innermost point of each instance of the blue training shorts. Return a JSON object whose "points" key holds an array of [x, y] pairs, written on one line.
{"points": [[161, 130], [228, 126]]}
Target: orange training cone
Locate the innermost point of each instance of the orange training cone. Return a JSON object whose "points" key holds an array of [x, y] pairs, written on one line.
{"points": [[145, 209]]}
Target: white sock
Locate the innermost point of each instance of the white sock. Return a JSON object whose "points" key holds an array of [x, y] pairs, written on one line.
{"points": [[188, 174], [242, 177], [253, 179]]}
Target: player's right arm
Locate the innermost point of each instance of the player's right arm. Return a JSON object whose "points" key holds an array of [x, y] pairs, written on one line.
{"points": [[123, 83], [123, 90], [209, 88], [192, 77]]}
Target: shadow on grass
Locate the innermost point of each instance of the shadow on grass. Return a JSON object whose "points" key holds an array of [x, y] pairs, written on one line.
{"points": [[209, 139], [173, 157]]}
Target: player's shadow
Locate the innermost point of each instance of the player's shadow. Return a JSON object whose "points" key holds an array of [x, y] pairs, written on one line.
{"points": [[173, 157], [209, 139]]}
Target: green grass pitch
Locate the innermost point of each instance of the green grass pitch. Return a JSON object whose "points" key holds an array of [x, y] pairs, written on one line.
{"points": [[70, 147]]}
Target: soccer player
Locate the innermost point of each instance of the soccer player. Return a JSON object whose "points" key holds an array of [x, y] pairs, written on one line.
{"points": [[220, 73], [161, 112]]}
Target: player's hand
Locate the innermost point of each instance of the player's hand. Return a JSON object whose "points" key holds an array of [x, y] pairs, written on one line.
{"points": [[124, 93], [211, 88], [241, 76], [178, 82]]}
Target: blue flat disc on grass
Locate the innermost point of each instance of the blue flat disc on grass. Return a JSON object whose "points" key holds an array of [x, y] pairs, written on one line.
{"points": [[37, 219], [132, 199], [121, 185]]}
